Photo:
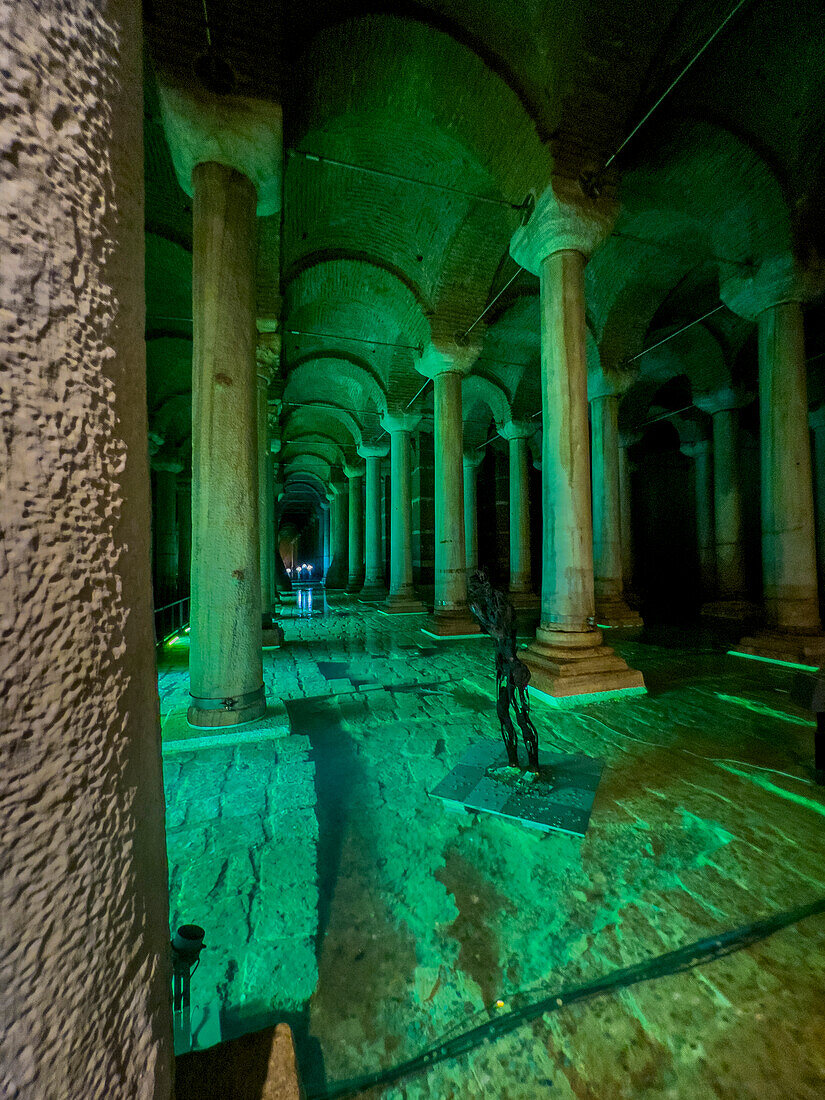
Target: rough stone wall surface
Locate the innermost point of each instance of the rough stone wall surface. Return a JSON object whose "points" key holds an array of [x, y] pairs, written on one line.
{"points": [[83, 902]]}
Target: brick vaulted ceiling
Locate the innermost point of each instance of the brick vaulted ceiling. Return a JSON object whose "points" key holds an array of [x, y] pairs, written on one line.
{"points": [[486, 98]]}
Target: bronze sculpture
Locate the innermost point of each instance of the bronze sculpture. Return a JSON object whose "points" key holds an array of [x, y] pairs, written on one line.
{"points": [[497, 617]]}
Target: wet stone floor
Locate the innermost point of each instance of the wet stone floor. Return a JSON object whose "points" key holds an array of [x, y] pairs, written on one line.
{"points": [[337, 895]]}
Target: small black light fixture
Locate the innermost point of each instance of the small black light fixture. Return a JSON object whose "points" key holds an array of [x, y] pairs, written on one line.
{"points": [[187, 944]]}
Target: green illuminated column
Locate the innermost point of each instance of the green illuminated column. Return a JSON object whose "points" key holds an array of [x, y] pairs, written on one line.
{"points": [[567, 657], [774, 296], [165, 526], [451, 616], [517, 433], [225, 658], [184, 490], [471, 461], [816, 420], [611, 606], [402, 599], [266, 529], [374, 587], [625, 513], [700, 452], [355, 476], [274, 448], [339, 566], [325, 535]]}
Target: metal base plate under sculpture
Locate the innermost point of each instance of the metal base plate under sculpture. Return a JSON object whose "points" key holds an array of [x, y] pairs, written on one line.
{"points": [[560, 800]]}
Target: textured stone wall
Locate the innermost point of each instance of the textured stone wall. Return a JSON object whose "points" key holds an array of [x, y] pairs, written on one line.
{"points": [[83, 902]]}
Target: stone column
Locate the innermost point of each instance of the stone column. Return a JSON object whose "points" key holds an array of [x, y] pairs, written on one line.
{"points": [[816, 421], [339, 567], [625, 512], [326, 553], [730, 602], [84, 962], [700, 452], [774, 296], [283, 583], [451, 616], [374, 587], [225, 657], [184, 488], [521, 595], [269, 505], [568, 657], [165, 527], [402, 599], [355, 477], [266, 528], [471, 462], [608, 583]]}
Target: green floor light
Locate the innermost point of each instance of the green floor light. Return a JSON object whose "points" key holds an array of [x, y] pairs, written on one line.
{"points": [[773, 661]]}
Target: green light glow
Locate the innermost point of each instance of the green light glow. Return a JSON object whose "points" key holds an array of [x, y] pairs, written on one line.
{"points": [[176, 641], [449, 637], [580, 700], [791, 796], [604, 626], [763, 708], [773, 661]]}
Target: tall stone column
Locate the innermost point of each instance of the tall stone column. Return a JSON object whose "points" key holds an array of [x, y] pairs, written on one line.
{"points": [[567, 657], [793, 632], [816, 421], [608, 582], [269, 504], [355, 477], [165, 526], [339, 567], [451, 616], [266, 526], [184, 489], [225, 636], [402, 599], [374, 587], [625, 511], [471, 462], [326, 553], [521, 595], [729, 542], [700, 451]]}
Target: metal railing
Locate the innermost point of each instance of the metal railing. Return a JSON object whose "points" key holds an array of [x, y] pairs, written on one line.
{"points": [[171, 619]]}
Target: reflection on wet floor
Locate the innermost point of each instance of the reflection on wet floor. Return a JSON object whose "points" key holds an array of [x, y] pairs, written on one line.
{"points": [[427, 922]]}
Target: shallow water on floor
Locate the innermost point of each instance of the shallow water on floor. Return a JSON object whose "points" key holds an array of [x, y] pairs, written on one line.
{"points": [[337, 894]]}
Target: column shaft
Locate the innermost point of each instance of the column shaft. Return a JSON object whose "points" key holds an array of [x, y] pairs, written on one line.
{"points": [[611, 608], [727, 503], [374, 566], [339, 566], [402, 595], [704, 517], [788, 548], [166, 533], [625, 520], [225, 659], [266, 531], [471, 513], [520, 576], [184, 488], [355, 578]]}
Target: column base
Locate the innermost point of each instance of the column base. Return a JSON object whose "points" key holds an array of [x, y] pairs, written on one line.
{"points": [[564, 665], [403, 605], [216, 713], [614, 612], [794, 649], [452, 624], [373, 593], [729, 611], [524, 601], [354, 585]]}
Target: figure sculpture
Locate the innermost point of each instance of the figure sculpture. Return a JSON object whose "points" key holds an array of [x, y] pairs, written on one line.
{"points": [[497, 617]]}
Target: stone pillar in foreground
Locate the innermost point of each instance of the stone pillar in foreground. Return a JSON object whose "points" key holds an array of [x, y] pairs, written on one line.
{"points": [[729, 540], [84, 908], [355, 577], [700, 451], [402, 599], [792, 626], [338, 573], [471, 462], [165, 527], [451, 616], [225, 636], [567, 657], [374, 587], [521, 594], [608, 581]]}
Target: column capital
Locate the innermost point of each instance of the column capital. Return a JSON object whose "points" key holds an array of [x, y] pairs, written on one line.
{"points": [[516, 429], [267, 361], [564, 219], [156, 441], [352, 471], [338, 489], [722, 400], [400, 421], [696, 448], [816, 418], [474, 458], [275, 443], [373, 450], [450, 356], [749, 291]]}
